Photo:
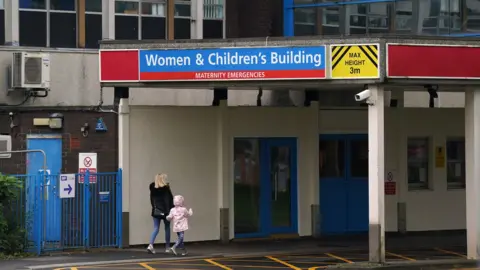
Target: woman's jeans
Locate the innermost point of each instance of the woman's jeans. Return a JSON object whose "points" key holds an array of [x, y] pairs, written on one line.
{"points": [[156, 228]]}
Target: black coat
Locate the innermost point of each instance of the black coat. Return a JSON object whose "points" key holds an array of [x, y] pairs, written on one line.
{"points": [[161, 198]]}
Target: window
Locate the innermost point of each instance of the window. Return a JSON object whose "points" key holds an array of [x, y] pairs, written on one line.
{"points": [[368, 18], [93, 22], [403, 16], [418, 165], [440, 17], [473, 15], [140, 20], [182, 19], [213, 19], [48, 23], [455, 163]]}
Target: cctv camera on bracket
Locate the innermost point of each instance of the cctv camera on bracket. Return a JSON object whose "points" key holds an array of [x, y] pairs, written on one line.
{"points": [[364, 96]]}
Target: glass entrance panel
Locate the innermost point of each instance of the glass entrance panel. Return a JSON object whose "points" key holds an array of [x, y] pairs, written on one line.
{"points": [[280, 181], [247, 186]]}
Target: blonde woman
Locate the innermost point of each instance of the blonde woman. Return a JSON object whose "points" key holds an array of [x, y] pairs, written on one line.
{"points": [[161, 199]]}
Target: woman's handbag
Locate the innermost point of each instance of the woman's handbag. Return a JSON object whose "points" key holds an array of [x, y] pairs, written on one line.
{"points": [[157, 212]]}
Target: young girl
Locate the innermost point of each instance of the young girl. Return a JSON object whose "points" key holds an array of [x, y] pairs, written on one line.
{"points": [[179, 215]]}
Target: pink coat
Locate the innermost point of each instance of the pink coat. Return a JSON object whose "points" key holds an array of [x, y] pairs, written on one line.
{"points": [[179, 214]]}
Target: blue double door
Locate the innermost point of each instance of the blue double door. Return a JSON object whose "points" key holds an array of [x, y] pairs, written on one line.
{"points": [[343, 163], [265, 186]]}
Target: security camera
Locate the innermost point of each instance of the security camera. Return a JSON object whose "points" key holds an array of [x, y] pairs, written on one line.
{"points": [[362, 96]]}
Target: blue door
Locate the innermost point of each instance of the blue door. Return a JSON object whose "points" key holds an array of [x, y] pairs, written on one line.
{"points": [[343, 161], [51, 144], [265, 189]]}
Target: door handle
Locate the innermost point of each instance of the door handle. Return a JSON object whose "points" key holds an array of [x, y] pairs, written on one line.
{"points": [[275, 180]]}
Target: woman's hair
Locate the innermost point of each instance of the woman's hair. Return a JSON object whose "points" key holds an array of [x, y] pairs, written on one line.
{"points": [[160, 180]]}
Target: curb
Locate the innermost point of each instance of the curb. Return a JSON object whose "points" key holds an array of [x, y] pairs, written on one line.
{"points": [[200, 257], [429, 264], [64, 265]]}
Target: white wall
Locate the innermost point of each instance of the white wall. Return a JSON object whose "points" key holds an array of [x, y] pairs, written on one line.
{"points": [[183, 142]]}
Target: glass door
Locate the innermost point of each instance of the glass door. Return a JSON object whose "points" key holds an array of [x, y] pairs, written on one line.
{"points": [[282, 185], [265, 186]]}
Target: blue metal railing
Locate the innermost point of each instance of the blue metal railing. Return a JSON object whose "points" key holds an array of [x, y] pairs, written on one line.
{"points": [[91, 219]]}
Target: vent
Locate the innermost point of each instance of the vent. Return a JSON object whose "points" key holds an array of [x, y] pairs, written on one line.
{"points": [[30, 71], [5, 146], [33, 70]]}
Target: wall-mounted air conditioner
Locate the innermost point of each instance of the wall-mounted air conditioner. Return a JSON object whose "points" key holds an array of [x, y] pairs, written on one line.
{"points": [[30, 70], [5, 146]]}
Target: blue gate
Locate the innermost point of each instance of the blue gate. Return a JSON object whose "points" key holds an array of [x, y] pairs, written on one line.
{"points": [[90, 219]]}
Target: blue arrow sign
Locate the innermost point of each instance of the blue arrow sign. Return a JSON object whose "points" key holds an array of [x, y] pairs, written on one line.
{"points": [[69, 189]]}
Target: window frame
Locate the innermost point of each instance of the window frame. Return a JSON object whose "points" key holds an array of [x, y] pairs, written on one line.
{"points": [[455, 185], [428, 161]]}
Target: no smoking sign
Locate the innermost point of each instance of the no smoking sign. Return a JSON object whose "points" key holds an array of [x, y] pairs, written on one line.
{"points": [[87, 161]]}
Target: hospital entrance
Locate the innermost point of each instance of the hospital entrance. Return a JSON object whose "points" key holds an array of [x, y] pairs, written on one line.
{"points": [[265, 189]]}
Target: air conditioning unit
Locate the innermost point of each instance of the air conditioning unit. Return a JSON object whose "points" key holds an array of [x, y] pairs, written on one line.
{"points": [[30, 70], [5, 146]]}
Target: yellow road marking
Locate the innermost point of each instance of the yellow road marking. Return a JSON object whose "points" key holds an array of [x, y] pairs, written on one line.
{"points": [[400, 256], [146, 266], [317, 267], [74, 268], [451, 252], [210, 261], [338, 258], [283, 262]]}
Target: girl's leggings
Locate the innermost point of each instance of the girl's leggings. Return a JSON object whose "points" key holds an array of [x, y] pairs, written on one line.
{"points": [[179, 242]]}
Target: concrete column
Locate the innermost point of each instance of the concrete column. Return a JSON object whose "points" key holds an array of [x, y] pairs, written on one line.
{"points": [[197, 19], [12, 22], [223, 165], [376, 174], [124, 164], [472, 159], [108, 19], [314, 174]]}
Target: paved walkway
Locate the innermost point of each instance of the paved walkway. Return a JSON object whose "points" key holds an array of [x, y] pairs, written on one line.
{"points": [[280, 254]]}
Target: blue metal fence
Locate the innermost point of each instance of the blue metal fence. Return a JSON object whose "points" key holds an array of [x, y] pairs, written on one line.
{"points": [[91, 219]]}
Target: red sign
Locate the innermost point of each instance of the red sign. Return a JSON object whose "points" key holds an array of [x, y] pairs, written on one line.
{"points": [[93, 178], [433, 62], [119, 66], [390, 188]]}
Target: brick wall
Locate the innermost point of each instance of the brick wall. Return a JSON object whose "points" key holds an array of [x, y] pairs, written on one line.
{"points": [[254, 18], [103, 143]]}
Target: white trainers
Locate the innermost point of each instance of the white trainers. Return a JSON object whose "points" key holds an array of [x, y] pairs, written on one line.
{"points": [[168, 250], [172, 249], [150, 249]]}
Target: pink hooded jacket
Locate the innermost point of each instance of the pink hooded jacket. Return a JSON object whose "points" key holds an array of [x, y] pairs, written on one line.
{"points": [[179, 214]]}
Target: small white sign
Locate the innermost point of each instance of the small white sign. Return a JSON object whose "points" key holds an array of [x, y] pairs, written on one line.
{"points": [[67, 186]]}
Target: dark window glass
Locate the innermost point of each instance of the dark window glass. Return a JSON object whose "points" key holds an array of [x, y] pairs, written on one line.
{"points": [[93, 33], [93, 5], [63, 30], [331, 158], [33, 28], [2, 27], [182, 28], [126, 27], [359, 158], [153, 28], [212, 29], [126, 7], [304, 30], [62, 5], [33, 4]]}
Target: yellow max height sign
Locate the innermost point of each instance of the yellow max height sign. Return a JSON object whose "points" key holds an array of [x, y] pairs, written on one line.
{"points": [[354, 61]]}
